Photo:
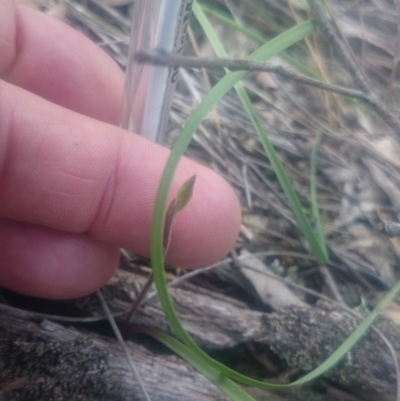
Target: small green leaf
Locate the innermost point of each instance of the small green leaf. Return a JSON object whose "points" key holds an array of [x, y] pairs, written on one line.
{"points": [[183, 197], [185, 193], [169, 217], [319, 233]]}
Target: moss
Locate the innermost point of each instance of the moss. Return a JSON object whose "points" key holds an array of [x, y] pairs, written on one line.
{"points": [[305, 338]]}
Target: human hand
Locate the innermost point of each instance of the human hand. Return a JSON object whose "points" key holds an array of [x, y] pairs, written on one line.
{"points": [[73, 187]]}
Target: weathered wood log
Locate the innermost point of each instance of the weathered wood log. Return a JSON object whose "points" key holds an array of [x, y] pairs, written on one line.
{"points": [[48, 361], [305, 337], [301, 337]]}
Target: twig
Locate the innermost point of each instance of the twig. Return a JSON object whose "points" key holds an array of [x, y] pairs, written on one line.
{"points": [[187, 276], [329, 30], [135, 306], [117, 334], [38, 316], [396, 57], [346, 57], [366, 94], [365, 91], [173, 60], [247, 187], [389, 228], [225, 261], [331, 284]]}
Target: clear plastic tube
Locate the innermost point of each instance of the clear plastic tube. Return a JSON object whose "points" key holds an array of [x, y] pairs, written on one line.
{"points": [[156, 25]]}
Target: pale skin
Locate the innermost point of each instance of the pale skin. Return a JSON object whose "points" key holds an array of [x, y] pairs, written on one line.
{"points": [[74, 188]]}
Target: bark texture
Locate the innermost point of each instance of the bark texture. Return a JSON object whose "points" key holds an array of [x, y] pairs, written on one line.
{"points": [[42, 359]]}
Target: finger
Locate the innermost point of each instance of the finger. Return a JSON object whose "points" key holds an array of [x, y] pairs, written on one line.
{"points": [[66, 171], [47, 263], [53, 264], [49, 58]]}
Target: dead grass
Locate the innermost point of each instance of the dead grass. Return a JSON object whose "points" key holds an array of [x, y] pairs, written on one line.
{"points": [[358, 163]]}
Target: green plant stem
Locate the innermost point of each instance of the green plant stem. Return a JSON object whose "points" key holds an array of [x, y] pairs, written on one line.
{"points": [[221, 88]]}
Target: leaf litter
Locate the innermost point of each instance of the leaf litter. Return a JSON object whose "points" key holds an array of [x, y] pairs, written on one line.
{"points": [[358, 171]]}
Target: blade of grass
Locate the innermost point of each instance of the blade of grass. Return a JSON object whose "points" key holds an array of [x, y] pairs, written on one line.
{"points": [[222, 87], [257, 37], [318, 248], [260, 39], [313, 194], [226, 385], [278, 44], [353, 338]]}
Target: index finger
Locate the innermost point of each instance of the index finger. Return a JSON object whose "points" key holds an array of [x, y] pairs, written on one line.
{"points": [[66, 171]]}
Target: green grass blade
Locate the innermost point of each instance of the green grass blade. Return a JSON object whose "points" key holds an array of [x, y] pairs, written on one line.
{"points": [[352, 339], [257, 37], [284, 180], [221, 88], [289, 37], [226, 385], [317, 248], [271, 48], [313, 195]]}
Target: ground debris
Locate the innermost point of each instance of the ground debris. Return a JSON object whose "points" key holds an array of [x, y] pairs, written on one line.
{"points": [[306, 337], [53, 370]]}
